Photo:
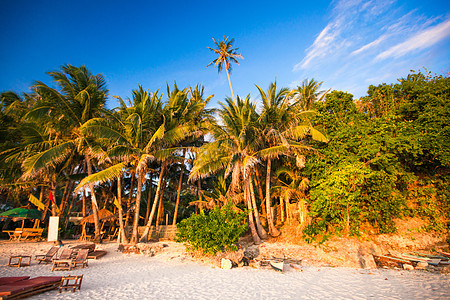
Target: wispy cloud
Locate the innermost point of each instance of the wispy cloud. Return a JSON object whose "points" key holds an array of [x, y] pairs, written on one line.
{"points": [[362, 35], [424, 39], [337, 36], [323, 44], [370, 45]]}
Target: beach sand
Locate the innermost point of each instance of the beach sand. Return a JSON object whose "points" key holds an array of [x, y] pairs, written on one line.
{"points": [[170, 274]]}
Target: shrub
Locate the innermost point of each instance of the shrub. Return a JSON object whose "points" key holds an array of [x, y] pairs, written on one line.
{"points": [[212, 232]]}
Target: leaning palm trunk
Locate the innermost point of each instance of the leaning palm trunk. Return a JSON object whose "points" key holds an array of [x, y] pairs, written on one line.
{"points": [[123, 234], [261, 232], [175, 213], [134, 237], [149, 198], [97, 237], [251, 223], [273, 231], [130, 198], [144, 237]]}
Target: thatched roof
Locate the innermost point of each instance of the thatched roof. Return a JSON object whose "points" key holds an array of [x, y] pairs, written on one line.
{"points": [[103, 215]]}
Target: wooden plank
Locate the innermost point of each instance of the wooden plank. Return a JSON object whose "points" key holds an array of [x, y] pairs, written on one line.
{"points": [[96, 254]]}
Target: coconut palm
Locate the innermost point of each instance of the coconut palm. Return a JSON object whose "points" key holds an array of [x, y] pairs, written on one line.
{"points": [[291, 186], [81, 97], [180, 123], [233, 149], [227, 54], [130, 137], [308, 93], [199, 116], [282, 130]]}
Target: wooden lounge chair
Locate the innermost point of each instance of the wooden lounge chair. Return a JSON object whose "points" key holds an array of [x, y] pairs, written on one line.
{"points": [[64, 262], [81, 258], [9, 280], [27, 287], [47, 258]]}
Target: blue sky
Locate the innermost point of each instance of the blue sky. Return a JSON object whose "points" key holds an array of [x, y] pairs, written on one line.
{"points": [[347, 44]]}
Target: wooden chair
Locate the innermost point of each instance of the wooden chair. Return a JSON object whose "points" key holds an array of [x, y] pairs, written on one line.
{"points": [[71, 282], [64, 262], [47, 258], [81, 258]]}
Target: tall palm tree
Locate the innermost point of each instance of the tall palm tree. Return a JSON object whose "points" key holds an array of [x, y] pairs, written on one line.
{"points": [[282, 129], [81, 97], [227, 54], [130, 137], [275, 115], [308, 93], [233, 149], [199, 116], [179, 113]]}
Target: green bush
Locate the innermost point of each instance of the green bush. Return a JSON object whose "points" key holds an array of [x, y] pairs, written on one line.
{"points": [[215, 231]]}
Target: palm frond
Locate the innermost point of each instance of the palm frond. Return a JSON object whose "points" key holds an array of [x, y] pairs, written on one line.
{"points": [[108, 174]]}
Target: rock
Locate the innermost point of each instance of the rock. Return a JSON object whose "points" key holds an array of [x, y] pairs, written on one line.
{"points": [[422, 265], [408, 267], [226, 264], [445, 270]]}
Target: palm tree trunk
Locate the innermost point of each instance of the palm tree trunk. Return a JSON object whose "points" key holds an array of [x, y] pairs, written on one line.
{"points": [[134, 237], [262, 233], [229, 81], [130, 198], [175, 213], [41, 199], [144, 237], [160, 212], [149, 198], [251, 223], [123, 234], [273, 231], [97, 237], [65, 199], [260, 192]]}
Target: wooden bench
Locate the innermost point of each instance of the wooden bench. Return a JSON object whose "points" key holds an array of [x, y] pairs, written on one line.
{"points": [[14, 234], [24, 233], [32, 233]]}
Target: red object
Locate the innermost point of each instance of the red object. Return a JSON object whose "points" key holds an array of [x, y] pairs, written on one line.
{"points": [[50, 196]]}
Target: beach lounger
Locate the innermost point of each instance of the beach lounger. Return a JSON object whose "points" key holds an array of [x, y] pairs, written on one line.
{"points": [[81, 258], [47, 258], [64, 262], [28, 287], [8, 280]]}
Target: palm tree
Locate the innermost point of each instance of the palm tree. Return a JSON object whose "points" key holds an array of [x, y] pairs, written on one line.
{"points": [[282, 129], [178, 127], [82, 96], [233, 149], [308, 93], [292, 186], [227, 54], [130, 137], [196, 114]]}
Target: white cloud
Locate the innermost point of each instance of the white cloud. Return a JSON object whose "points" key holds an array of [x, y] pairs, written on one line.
{"points": [[421, 40], [370, 45], [348, 16], [321, 45], [350, 51]]}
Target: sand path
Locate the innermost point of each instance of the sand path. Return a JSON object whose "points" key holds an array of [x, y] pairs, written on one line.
{"points": [[171, 276]]}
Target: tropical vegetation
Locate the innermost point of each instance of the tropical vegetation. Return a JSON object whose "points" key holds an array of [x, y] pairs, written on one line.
{"points": [[322, 161]]}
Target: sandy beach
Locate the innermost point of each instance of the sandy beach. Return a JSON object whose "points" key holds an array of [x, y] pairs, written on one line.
{"points": [[170, 274]]}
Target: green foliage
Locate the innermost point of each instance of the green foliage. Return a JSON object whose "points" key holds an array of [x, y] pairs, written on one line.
{"points": [[379, 147], [212, 232]]}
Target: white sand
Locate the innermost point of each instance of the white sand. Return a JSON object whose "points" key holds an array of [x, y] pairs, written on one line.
{"points": [[168, 275]]}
